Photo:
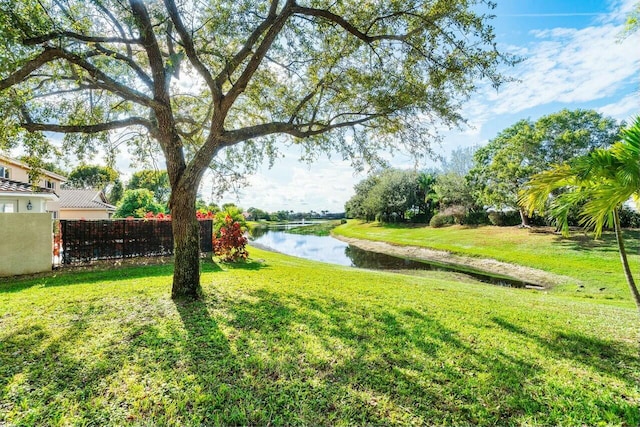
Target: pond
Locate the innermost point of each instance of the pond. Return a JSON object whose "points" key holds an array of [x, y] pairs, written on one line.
{"points": [[333, 251]]}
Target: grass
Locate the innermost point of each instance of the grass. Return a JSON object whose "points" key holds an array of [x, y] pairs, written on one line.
{"points": [[317, 229], [594, 265], [284, 341]]}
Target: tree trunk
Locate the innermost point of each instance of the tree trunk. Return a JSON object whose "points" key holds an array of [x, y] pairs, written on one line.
{"points": [[625, 262], [186, 245], [524, 218]]}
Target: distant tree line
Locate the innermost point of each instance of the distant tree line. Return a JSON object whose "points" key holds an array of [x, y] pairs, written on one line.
{"points": [[480, 185]]}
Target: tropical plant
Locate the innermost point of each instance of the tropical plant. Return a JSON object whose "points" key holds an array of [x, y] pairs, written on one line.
{"points": [[601, 182], [229, 241]]}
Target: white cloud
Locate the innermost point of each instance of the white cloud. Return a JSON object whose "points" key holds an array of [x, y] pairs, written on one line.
{"points": [[569, 66], [325, 184], [624, 108]]}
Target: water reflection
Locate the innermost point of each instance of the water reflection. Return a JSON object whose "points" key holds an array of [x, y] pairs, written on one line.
{"points": [[330, 250], [317, 248]]}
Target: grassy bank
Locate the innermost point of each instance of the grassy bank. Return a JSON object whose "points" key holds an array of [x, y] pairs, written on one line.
{"points": [[281, 340], [594, 264]]}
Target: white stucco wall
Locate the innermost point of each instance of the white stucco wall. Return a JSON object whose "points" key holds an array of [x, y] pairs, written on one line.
{"points": [[25, 243]]}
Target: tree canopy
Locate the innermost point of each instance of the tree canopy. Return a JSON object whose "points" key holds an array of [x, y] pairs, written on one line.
{"points": [[136, 204], [387, 196], [154, 181], [207, 84], [599, 183], [92, 176], [505, 164]]}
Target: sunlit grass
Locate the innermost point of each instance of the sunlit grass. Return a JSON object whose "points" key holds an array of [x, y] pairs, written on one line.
{"points": [[593, 264], [284, 341]]}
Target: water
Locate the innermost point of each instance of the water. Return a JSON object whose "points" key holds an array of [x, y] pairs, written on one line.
{"points": [[333, 251]]}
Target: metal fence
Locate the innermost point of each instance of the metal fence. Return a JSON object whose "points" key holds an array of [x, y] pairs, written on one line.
{"points": [[83, 241]]}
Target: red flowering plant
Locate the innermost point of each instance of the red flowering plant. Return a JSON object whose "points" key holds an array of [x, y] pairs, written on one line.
{"points": [[229, 241], [204, 214], [161, 216]]}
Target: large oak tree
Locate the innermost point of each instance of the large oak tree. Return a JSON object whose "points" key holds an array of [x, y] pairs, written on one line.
{"points": [[213, 81]]}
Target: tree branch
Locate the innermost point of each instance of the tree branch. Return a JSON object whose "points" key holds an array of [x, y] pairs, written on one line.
{"points": [[150, 44], [100, 78], [312, 129], [348, 26], [106, 82], [116, 24], [243, 53], [99, 127], [130, 62], [258, 56], [23, 73], [190, 50], [32, 41]]}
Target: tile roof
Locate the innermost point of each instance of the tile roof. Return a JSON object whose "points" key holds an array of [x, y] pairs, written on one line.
{"points": [[84, 199], [9, 186]]}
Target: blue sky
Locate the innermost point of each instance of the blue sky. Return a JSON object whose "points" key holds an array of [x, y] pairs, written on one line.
{"points": [[574, 59]]}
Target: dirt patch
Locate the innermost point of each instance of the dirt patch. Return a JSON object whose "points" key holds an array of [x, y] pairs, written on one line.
{"points": [[488, 265]]}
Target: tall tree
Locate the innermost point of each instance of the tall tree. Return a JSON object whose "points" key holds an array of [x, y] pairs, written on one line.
{"points": [[103, 178], [600, 183], [357, 206], [451, 186], [137, 203], [505, 164], [395, 193], [154, 181], [92, 176], [212, 83]]}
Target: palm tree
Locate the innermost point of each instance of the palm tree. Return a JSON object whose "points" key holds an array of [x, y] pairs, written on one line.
{"points": [[602, 181]]}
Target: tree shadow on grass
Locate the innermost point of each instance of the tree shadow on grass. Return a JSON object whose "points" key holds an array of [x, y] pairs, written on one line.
{"points": [[74, 277], [605, 243], [360, 365], [114, 273], [42, 374], [608, 356]]}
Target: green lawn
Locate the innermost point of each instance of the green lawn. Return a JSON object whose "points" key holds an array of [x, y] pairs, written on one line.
{"points": [[284, 341], [594, 264]]}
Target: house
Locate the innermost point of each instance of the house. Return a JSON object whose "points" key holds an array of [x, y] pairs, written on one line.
{"points": [[84, 204], [21, 197], [17, 194]]}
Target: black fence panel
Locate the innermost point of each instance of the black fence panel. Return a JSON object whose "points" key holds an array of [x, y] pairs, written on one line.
{"points": [[206, 234], [84, 241]]}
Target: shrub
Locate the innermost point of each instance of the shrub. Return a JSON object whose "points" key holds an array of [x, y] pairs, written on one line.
{"points": [[505, 219], [458, 212], [440, 220], [629, 218], [477, 218], [421, 218], [229, 242]]}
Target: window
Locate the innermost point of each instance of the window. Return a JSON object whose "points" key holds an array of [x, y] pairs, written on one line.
{"points": [[50, 184], [6, 207], [4, 172]]}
